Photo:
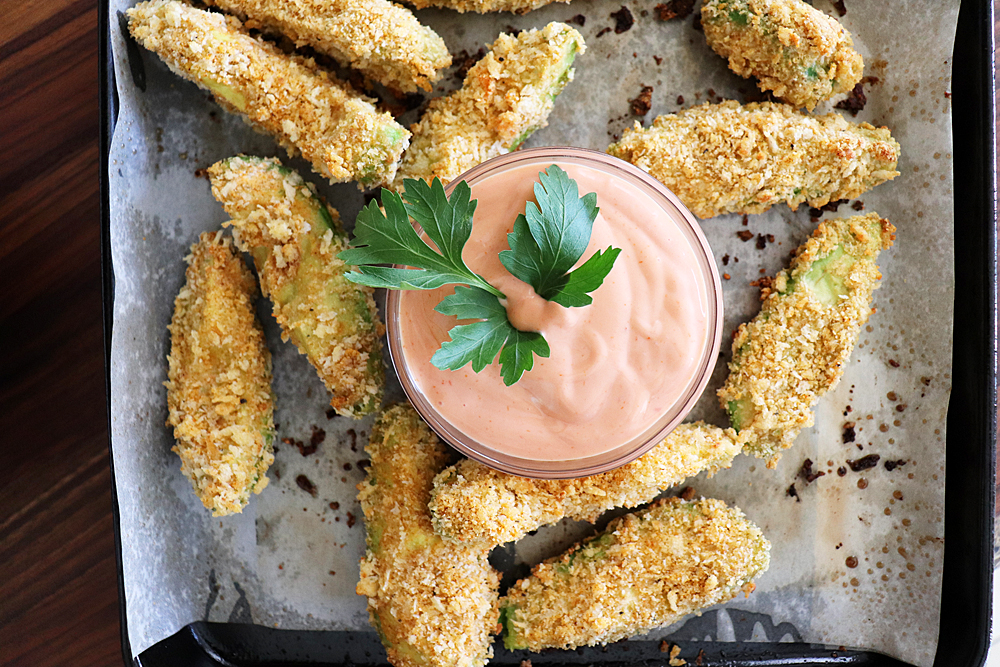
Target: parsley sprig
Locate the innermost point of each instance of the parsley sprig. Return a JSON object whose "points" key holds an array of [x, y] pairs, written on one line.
{"points": [[547, 240]]}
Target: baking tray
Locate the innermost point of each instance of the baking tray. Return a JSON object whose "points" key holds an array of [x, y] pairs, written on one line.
{"points": [[971, 438]]}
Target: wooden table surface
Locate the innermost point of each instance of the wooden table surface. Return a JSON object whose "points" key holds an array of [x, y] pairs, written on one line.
{"points": [[58, 582]]}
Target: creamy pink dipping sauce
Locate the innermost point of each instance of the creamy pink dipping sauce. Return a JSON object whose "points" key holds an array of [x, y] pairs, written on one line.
{"points": [[616, 366]]}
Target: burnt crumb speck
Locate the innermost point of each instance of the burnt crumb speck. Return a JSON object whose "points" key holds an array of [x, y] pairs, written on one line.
{"points": [[838, 5], [765, 283], [892, 465], [317, 437], [353, 435], [841, 471], [335, 506], [623, 20], [658, 59], [201, 173], [848, 435], [864, 463], [792, 493], [602, 33], [744, 235], [894, 363], [350, 520], [579, 20], [745, 221], [674, 9], [680, 100], [725, 260], [687, 493], [855, 100], [304, 449], [306, 485], [700, 658], [763, 240], [643, 102], [807, 473], [465, 60], [348, 466], [858, 205]]}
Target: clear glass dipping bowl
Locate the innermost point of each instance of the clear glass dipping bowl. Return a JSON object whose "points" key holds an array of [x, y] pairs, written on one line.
{"points": [[621, 453]]}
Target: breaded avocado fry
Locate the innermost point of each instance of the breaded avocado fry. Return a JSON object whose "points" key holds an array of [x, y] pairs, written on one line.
{"points": [[473, 502], [506, 96], [433, 603], [306, 109], [219, 379], [732, 158], [648, 569], [799, 53], [294, 237], [382, 40], [796, 349]]}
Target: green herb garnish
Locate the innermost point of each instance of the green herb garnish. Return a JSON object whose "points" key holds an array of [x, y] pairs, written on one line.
{"points": [[548, 239]]}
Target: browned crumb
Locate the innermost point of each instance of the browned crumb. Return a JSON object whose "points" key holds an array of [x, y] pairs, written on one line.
{"points": [[623, 20], [855, 100], [642, 103], [674, 9]]}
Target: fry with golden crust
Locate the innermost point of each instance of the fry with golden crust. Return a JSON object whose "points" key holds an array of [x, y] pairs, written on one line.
{"points": [[433, 602], [732, 158], [219, 379], [506, 96], [294, 237], [472, 502], [799, 53], [304, 108], [648, 569], [382, 40], [796, 349]]}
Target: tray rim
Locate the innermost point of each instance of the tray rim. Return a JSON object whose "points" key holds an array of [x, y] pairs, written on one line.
{"points": [[973, 418]]}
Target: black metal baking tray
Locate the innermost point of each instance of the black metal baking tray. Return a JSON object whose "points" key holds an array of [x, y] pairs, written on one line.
{"points": [[971, 438]]}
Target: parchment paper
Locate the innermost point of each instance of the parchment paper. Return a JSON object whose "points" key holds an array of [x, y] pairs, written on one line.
{"points": [[850, 566]]}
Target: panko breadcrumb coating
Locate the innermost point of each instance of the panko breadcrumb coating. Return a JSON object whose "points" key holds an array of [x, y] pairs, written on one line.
{"points": [[433, 603], [796, 349], [732, 158], [484, 6], [472, 502], [506, 96], [289, 97], [799, 53], [382, 40], [294, 237], [646, 570], [219, 379]]}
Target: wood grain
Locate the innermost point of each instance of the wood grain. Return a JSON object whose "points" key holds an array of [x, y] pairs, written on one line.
{"points": [[58, 581]]}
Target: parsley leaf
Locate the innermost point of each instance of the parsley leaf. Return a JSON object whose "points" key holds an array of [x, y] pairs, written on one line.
{"points": [[390, 239], [480, 342], [548, 239]]}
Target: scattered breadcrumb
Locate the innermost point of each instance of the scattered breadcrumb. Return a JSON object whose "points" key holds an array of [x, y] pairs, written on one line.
{"points": [[471, 502], [289, 97], [648, 569], [796, 349], [433, 603], [674, 9], [506, 96], [295, 238], [794, 50], [219, 396], [732, 158], [382, 40]]}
